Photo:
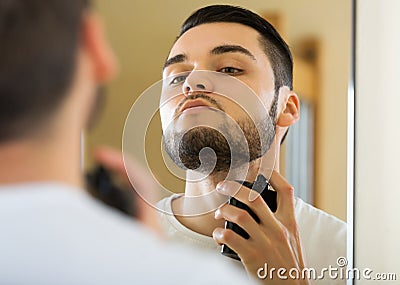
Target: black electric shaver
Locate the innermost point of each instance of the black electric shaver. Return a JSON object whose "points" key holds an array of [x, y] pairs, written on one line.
{"points": [[261, 185]]}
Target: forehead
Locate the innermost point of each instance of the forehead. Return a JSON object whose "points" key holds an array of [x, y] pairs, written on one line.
{"points": [[201, 39]]}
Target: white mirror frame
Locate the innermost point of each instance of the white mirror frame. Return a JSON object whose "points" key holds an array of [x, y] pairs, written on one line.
{"points": [[350, 147]]}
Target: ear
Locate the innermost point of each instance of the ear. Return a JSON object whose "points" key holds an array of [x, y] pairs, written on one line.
{"points": [[291, 111], [95, 44]]}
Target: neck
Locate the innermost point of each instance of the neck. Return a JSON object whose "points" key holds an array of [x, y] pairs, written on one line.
{"points": [[55, 158], [205, 223]]}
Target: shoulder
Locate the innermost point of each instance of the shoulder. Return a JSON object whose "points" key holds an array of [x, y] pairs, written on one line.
{"points": [[323, 236], [311, 217], [176, 232], [71, 231], [165, 205]]}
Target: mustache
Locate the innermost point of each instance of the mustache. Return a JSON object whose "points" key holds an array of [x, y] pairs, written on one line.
{"points": [[207, 98]]}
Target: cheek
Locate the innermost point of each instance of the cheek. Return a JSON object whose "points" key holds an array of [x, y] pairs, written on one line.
{"points": [[263, 83], [252, 100], [167, 111], [265, 92], [235, 110]]}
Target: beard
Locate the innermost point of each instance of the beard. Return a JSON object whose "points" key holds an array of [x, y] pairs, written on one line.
{"points": [[187, 149]]}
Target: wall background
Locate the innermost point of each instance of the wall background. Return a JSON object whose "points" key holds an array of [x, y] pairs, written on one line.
{"points": [[142, 32], [377, 195]]}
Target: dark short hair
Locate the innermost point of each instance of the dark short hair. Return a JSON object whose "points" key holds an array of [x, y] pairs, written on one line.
{"points": [[38, 49], [272, 43]]}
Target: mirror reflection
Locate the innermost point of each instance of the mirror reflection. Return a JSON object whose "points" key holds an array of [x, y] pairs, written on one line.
{"points": [[318, 35], [309, 116]]}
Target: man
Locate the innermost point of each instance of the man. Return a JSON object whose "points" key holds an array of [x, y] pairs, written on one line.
{"points": [[53, 57], [239, 43]]}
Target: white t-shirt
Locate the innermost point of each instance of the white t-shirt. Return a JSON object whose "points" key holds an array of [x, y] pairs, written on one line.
{"points": [[323, 236], [55, 234]]}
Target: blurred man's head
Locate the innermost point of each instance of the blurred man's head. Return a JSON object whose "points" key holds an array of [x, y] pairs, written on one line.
{"points": [[239, 43], [53, 57]]}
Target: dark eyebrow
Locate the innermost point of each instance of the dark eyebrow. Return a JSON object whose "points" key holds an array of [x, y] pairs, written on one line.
{"points": [[175, 59], [215, 51], [232, 48]]}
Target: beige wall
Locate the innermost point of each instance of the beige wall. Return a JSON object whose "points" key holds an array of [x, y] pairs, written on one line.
{"points": [[142, 33], [377, 192]]}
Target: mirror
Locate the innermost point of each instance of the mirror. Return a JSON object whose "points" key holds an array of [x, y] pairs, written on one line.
{"points": [[318, 34], [314, 157]]}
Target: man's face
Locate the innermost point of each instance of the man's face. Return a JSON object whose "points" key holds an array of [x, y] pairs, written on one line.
{"points": [[219, 48]]}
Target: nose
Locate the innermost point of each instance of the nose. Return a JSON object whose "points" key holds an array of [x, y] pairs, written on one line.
{"points": [[197, 81]]}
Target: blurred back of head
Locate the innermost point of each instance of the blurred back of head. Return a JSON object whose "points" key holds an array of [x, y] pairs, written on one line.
{"points": [[38, 48]]}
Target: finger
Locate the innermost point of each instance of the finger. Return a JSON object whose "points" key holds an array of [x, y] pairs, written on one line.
{"points": [[258, 206], [240, 217], [285, 194], [113, 160], [109, 158], [231, 239]]}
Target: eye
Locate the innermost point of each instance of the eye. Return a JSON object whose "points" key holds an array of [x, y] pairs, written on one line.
{"points": [[231, 70], [178, 79]]}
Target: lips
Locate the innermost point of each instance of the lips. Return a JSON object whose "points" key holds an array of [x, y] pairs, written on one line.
{"points": [[194, 103]]}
